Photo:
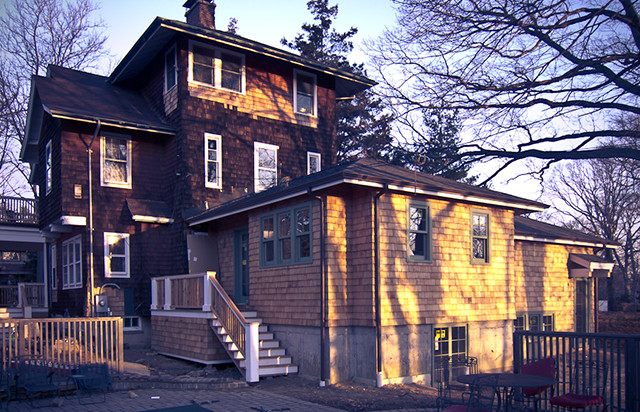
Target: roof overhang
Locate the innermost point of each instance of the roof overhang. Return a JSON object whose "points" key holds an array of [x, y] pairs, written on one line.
{"points": [[149, 211], [64, 224], [567, 242], [589, 266]]}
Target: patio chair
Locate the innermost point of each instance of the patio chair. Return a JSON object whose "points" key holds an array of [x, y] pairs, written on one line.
{"points": [[34, 377], [89, 379], [543, 367], [588, 386], [447, 370], [480, 397]]}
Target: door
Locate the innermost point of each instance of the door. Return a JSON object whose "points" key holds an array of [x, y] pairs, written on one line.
{"points": [[582, 305], [241, 265]]}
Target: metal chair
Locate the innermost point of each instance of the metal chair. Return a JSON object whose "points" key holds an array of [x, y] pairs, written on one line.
{"points": [[588, 386], [92, 378], [34, 377], [447, 369], [543, 367], [481, 395]]}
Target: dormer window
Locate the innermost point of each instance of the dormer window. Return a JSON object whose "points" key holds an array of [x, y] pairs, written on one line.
{"points": [[215, 67], [304, 93]]}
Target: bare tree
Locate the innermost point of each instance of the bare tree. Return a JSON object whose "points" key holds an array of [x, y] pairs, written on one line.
{"points": [[34, 34], [600, 196], [533, 79]]}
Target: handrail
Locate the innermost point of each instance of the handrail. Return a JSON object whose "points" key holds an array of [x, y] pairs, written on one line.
{"points": [[224, 307]]}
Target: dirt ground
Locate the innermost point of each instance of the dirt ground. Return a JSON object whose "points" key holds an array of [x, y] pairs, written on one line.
{"points": [[349, 397]]}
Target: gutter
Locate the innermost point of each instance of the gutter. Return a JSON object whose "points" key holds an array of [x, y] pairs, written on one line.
{"points": [[114, 123], [90, 227], [376, 266], [524, 238]]}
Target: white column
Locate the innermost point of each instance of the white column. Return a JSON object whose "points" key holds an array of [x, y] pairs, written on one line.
{"points": [[167, 294], [208, 291], [252, 352], [154, 294]]}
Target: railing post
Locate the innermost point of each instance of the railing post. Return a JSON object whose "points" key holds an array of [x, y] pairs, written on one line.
{"points": [[208, 292], [252, 352], [154, 294], [167, 294], [20, 290], [632, 368]]}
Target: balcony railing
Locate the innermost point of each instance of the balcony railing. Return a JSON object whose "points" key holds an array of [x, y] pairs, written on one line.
{"points": [[18, 210]]}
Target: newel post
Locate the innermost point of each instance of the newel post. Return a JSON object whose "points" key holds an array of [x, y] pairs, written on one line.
{"points": [[252, 351], [167, 294], [154, 294], [208, 292]]}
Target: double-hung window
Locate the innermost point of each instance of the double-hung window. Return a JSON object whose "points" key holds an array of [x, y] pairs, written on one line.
{"points": [[304, 93], [419, 231], [313, 162], [170, 69], [213, 160], [218, 68], [115, 162], [265, 160], [53, 269], [286, 236], [480, 236], [116, 255], [48, 174], [535, 322], [72, 263]]}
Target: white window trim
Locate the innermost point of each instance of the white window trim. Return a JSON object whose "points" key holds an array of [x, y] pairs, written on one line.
{"points": [[311, 155], [77, 278], [53, 266], [172, 50], [256, 162], [295, 92], [103, 182], [48, 173], [218, 183], [107, 256], [217, 64], [132, 328]]}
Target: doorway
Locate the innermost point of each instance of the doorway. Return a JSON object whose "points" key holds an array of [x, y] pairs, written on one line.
{"points": [[241, 265], [583, 304]]}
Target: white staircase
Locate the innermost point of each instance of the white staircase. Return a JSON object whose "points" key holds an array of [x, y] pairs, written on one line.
{"points": [[273, 360]]}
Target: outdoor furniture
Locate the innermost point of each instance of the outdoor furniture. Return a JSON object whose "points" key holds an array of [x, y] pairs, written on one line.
{"points": [[588, 386], [34, 378], [446, 371], [508, 381], [543, 367], [480, 397], [89, 379]]}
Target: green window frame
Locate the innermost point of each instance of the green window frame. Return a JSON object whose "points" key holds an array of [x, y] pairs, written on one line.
{"points": [[419, 232], [535, 321], [285, 236], [480, 236]]}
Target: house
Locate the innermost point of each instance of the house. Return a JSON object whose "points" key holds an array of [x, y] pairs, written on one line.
{"points": [[205, 151], [190, 118], [372, 272]]}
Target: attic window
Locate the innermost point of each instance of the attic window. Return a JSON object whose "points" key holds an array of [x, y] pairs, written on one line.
{"points": [[170, 72], [304, 91], [215, 67]]}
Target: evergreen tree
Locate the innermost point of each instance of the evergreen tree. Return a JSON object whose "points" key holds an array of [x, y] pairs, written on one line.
{"points": [[363, 127]]}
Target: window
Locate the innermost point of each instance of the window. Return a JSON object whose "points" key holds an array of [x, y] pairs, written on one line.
{"points": [[213, 160], [479, 237], [313, 162], [48, 175], [535, 321], [217, 68], [286, 236], [170, 72], [265, 158], [116, 255], [131, 323], [304, 92], [72, 263], [53, 270], [116, 161], [419, 232], [449, 341]]}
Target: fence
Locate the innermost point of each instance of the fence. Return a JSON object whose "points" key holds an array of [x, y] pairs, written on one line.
{"points": [[18, 210], [621, 353], [64, 343]]}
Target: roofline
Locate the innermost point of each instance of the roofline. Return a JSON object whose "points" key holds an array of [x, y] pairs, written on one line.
{"points": [[563, 241], [241, 43], [107, 122], [359, 182]]}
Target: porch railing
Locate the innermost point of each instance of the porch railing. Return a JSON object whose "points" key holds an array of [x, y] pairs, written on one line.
{"points": [[203, 292], [18, 210], [621, 353], [23, 295], [65, 343]]}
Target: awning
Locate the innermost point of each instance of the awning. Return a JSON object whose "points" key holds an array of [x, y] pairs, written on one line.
{"points": [[589, 266], [149, 211]]}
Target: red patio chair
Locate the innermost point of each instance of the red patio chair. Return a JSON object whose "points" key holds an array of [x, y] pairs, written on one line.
{"points": [[544, 367], [587, 387]]}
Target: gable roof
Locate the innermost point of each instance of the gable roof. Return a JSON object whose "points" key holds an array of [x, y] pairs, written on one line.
{"points": [[375, 174], [162, 31], [533, 230]]}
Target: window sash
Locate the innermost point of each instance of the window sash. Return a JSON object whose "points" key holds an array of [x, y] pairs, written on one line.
{"points": [[265, 166], [305, 90], [213, 161], [216, 67], [480, 235], [419, 232], [72, 263], [170, 72], [286, 236], [535, 321], [116, 255], [116, 161], [314, 163]]}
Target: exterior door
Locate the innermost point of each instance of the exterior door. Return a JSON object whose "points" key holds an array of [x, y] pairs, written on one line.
{"points": [[241, 265], [582, 305]]}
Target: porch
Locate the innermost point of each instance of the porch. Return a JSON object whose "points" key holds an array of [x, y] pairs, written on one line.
{"points": [[24, 300], [212, 328]]}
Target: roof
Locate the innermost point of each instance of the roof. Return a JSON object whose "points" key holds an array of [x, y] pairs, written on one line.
{"points": [[375, 174], [529, 229], [162, 31], [149, 211]]}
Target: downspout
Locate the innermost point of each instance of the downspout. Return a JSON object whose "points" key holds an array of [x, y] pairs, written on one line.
{"points": [[376, 266], [90, 190], [323, 291]]}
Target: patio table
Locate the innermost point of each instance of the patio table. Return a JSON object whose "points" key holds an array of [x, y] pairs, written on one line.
{"points": [[507, 381]]}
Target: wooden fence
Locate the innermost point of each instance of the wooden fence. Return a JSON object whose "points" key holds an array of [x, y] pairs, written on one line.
{"points": [[64, 343]]}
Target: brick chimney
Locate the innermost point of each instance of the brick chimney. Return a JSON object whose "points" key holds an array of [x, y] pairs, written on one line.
{"points": [[201, 13]]}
